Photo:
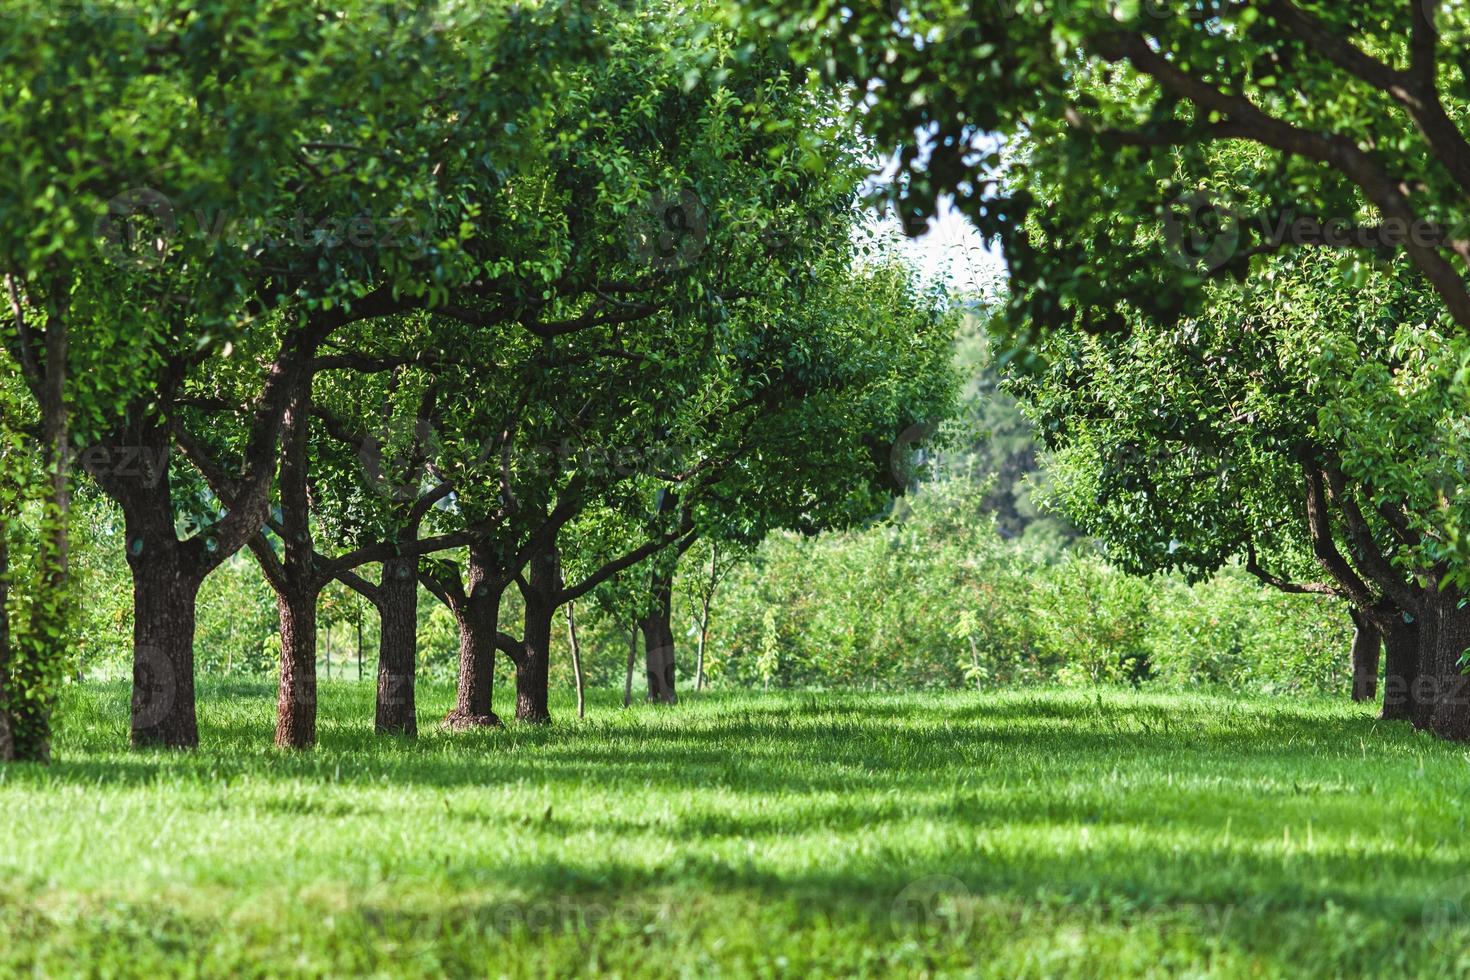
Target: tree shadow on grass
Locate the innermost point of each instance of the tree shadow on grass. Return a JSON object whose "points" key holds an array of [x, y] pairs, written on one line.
{"points": [[806, 752], [1033, 773]]}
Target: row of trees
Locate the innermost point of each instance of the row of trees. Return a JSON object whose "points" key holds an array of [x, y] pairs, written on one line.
{"points": [[480, 297], [1256, 207]]}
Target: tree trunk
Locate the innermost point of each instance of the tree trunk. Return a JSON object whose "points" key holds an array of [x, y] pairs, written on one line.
{"points": [[658, 643], [1400, 670], [576, 660], [398, 600], [1440, 694], [1366, 643], [7, 746], [164, 593], [658, 652], [632, 659], [297, 585], [477, 616], [296, 697], [703, 642], [357, 608], [1451, 711], [1424, 691], [36, 667], [533, 670]]}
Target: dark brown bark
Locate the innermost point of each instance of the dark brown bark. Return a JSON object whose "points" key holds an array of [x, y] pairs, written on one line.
{"points": [[477, 615], [1424, 689], [296, 698], [1400, 669], [1450, 718], [534, 665], [658, 630], [475, 605], [658, 644], [1366, 643], [167, 573], [397, 602], [164, 591], [297, 583], [1439, 695]]}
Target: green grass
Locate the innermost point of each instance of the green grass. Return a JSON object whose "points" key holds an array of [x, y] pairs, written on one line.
{"points": [[1014, 834]]}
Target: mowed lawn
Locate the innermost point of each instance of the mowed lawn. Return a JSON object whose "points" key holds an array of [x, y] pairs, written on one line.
{"points": [[1017, 833]]}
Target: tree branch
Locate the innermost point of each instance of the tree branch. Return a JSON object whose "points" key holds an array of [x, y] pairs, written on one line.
{"points": [[1253, 565], [1415, 90], [1334, 150], [1369, 556], [1319, 525]]}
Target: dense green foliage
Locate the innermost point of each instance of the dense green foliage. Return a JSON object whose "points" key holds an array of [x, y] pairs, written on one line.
{"points": [[1034, 834], [1254, 208], [1349, 116], [940, 600]]}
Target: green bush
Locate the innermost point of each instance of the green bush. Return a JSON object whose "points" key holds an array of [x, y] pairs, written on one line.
{"points": [[1231, 633], [935, 597]]}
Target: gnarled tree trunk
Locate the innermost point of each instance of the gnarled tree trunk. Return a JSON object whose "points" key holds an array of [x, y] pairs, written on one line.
{"points": [[658, 648], [297, 583], [478, 622], [1424, 691], [296, 699], [398, 647], [1400, 669], [165, 588], [166, 576], [658, 631], [1450, 718], [476, 608], [533, 669]]}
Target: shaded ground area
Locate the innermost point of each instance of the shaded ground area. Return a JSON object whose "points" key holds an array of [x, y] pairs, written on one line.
{"points": [[1018, 833]]}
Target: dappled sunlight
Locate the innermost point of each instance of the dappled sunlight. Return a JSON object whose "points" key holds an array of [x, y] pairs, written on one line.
{"points": [[1089, 814]]}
